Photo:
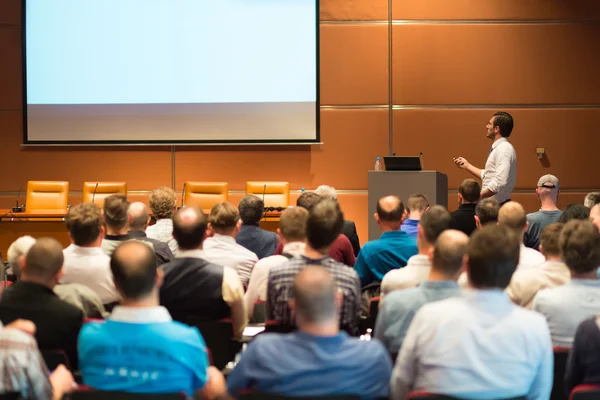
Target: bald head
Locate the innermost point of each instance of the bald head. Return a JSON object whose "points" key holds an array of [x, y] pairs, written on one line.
{"points": [[139, 216], [390, 211], [133, 265], [314, 295], [513, 216], [189, 228], [43, 262], [449, 252]]}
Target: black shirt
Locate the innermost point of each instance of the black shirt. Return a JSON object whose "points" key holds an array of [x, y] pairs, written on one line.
{"points": [[161, 249], [463, 219]]}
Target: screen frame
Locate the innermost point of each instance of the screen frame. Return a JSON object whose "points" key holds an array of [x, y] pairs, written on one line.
{"points": [[303, 142]]}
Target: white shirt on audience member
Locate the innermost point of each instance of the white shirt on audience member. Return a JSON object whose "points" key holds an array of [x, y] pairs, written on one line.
{"points": [[475, 346], [525, 283], [223, 250], [89, 266], [416, 271], [163, 231]]}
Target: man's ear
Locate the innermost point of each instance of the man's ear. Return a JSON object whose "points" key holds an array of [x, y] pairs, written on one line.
{"points": [[420, 233], [22, 262], [376, 216], [430, 254], [526, 227], [477, 222], [160, 276], [541, 248], [339, 300]]}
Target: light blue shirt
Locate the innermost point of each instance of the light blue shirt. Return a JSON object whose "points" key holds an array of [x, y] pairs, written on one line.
{"points": [[410, 226], [566, 306], [400, 307], [476, 346]]}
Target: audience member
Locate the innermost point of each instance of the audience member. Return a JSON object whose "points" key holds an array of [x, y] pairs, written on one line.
{"points": [[595, 215], [566, 306], [432, 223], [84, 260], [349, 229], [463, 219], [547, 191], [17, 250], [512, 215], [526, 283], [163, 203], [478, 345], [292, 227], [392, 250], [259, 241], [139, 348], [574, 211], [415, 207], [195, 289], [591, 199], [324, 224], [583, 365], [221, 248], [486, 211], [396, 313], [32, 298], [139, 218], [318, 359]]}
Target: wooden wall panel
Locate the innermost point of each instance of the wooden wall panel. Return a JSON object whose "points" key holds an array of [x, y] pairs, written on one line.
{"points": [[468, 64], [10, 67], [497, 9], [529, 200], [10, 12], [353, 10], [354, 64]]}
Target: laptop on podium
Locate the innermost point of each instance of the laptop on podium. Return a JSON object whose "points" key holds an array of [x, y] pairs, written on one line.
{"points": [[401, 163]]}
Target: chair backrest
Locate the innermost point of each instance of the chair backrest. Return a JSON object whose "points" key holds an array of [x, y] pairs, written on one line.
{"points": [[267, 396], [47, 195], [260, 311], [218, 336], [102, 395], [273, 326], [103, 190], [11, 396], [276, 194], [561, 354], [53, 358], [433, 396], [205, 194], [585, 392]]}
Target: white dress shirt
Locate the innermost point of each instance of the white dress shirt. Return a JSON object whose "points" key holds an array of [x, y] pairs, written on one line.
{"points": [[163, 231], [525, 283], [500, 173], [475, 346], [223, 250], [416, 271], [257, 287], [89, 266]]}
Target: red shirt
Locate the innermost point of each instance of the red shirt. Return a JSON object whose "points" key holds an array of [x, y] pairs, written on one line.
{"points": [[341, 250]]}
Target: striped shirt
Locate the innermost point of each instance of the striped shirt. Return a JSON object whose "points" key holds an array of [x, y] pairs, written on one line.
{"points": [[281, 282]]}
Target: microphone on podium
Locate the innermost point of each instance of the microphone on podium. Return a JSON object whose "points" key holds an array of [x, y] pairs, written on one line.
{"points": [[17, 207], [94, 194], [183, 194]]}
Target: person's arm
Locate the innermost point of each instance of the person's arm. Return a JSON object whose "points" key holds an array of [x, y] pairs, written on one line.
{"points": [[62, 382], [233, 295], [574, 371], [256, 279], [215, 387], [500, 178], [381, 323], [242, 374], [405, 370], [541, 386], [462, 163], [362, 269]]}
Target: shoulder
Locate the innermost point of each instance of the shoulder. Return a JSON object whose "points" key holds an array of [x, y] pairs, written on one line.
{"points": [[398, 300], [244, 252], [343, 269], [343, 240]]}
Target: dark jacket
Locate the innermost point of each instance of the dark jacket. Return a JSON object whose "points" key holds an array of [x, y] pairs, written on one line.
{"points": [[161, 249], [349, 230], [259, 241], [463, 219]]}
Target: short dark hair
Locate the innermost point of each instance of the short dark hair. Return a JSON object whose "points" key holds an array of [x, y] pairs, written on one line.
{"points": [[324, 224], [292, 223], [84, 222], [580, 246], [44, 259], [417, 202], [591, 199], [487, 210], [550, 239], [493, 256], [224, 217], [393, 215], [116, 207], [434, 221], [574, 211], [251, 209], [470, 190], [189, 232], [133, 265], [504, 121], [308, 200]]}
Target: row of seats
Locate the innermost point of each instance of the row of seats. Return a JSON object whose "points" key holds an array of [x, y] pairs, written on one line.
{"points": [[53, 195]]}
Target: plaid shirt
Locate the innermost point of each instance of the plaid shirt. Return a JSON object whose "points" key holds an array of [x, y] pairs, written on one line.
{"points": [[281, 282]]}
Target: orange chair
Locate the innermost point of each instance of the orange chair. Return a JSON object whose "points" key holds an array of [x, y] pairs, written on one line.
{"points": [[205, 194], [102, 190], [585, 392], [47, 195], [276, 194]]}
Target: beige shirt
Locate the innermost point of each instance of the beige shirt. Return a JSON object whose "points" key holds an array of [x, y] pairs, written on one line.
{"points": [[416, 271], [526, 283], [83, 298], [223, 250]]}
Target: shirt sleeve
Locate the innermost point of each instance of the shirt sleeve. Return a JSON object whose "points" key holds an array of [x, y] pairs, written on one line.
{"points": [[541, 386], [233, 295], [240, 377], [405, 370], [256, 279], [348, 252], [500, 179], [362, 269]]}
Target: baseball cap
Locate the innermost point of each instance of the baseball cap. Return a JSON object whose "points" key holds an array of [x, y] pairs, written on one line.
{"points": [[549, 181]]}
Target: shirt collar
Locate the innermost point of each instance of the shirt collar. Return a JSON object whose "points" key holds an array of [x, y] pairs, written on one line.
{"points": [[497, 142], [439, 284], [91, 251], [294, 248], [197, 253], [390, 234], [486, 295], [467, 206], [136, 315], [137, 234], [411, 222], [419, 260], [117, 237], [164, 221], [223, 238]]}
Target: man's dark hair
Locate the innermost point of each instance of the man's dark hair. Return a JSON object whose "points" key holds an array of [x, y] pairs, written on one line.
{"points": [[308, 200], [189, 227], [133, 265], [504, 121], [434, 221], [251, 209], [493, 256], [580, 246], [417, 202], [324, 224], [591, 199], [470, 190], [550, 239], [487, 210], [574, 211], [44, 259], [393, 215], [115, 211], [84, 222]]}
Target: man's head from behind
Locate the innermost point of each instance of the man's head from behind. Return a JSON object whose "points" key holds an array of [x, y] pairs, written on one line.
{"points": [[449, 254], [251, 209], [548, 187], [43, 262], [591, 199], [224, 219], [115, 212], [324, 224], [580, 247], [513, 216], [433, 222], [327, 192], [17, 252], [416, 205], [139, 217], [389, 213], [315, 299], [133, 265], [163, 202], [84, 223], [550, 239], [574, 211], [595, 215], [493, 255], [189, 228], [469, 191], [292, 224], [486, 211], [308, 200]]}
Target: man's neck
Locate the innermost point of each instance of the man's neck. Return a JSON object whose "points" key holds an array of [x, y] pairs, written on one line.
{"points": [[547, 204], [592, 275], [32, 279], [467, 202], [424, 248], [313, 253], [146, 302], [437, 276], [553, 258], [97, 243], [324, 329], [383, 228], [415, 215], [117, 232], [497, 137]]}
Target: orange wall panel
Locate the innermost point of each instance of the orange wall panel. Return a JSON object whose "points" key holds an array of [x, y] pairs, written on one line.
{"points": [[353, 10], [10, 12], [10, 67]]}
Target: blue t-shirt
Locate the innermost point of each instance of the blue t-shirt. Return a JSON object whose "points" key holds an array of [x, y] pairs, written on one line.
{"points": [[299, 364], [165, 357], [410, 226], [378, 257]]}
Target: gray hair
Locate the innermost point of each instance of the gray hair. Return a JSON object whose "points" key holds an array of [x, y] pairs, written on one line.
{"points": [[314, 293], [327, 192], [18, 248], [591, 199]]}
